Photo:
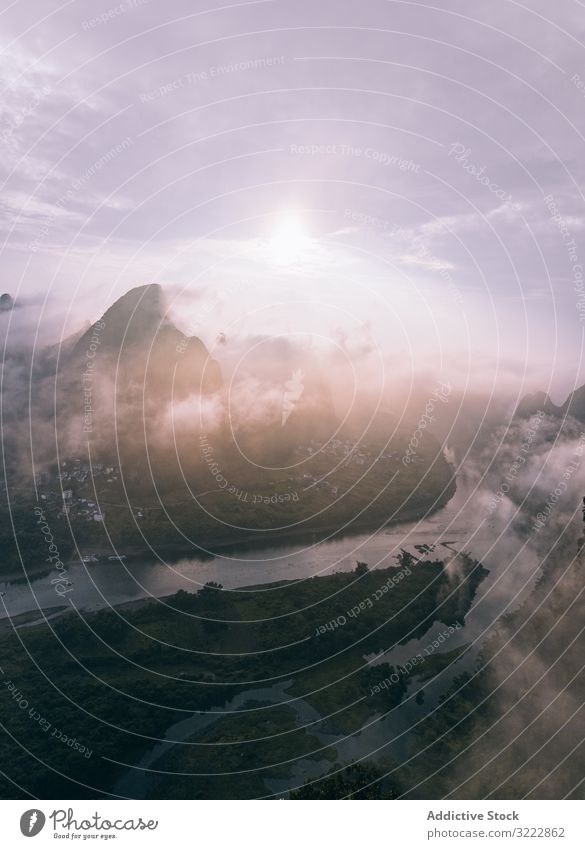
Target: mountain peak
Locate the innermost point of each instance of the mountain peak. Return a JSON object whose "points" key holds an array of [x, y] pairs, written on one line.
{"points": [[137, 312], [137, 345], [140, 297], [536, 402], [132, 320], [573, 406]]}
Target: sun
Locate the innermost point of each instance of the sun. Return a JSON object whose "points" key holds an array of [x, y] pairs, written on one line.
{"points": [[288, 241]]}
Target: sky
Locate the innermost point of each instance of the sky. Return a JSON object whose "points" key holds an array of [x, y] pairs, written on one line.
{"points": [[393, 178]]}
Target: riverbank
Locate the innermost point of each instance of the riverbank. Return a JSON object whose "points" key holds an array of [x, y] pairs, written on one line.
{"points": [[42, 615], [111, 583], [257, 539], [32, 618]]}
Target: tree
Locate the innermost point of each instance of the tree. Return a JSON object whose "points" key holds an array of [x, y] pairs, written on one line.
{"points": [[357, 781], [361, 568]]}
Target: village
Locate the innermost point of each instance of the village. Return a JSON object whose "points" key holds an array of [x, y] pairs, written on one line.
{"points": [[60, 488]]}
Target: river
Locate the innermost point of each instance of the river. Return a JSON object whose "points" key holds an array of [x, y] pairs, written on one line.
{"points": [[105, 584]]}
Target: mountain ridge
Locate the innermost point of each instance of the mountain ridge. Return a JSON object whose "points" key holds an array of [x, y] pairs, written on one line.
{"points": [[574, 405], [149, 357]]}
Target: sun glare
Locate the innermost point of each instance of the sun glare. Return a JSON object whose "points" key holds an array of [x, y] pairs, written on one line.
{"points": [[288, 241]]}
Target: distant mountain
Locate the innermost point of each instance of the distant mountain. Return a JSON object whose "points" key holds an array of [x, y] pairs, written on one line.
{"points": [[272, 451], [6, 302], [114, 384], [536, 402], [573, 406], [137, 346]]}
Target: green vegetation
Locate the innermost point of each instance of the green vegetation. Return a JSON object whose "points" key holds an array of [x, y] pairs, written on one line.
{"points": [[28, 542], [357, 781], [114, 683], [242, 745]]}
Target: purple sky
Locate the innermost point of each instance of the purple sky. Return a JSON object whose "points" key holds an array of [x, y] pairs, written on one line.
{"points": [[383, 165]]}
